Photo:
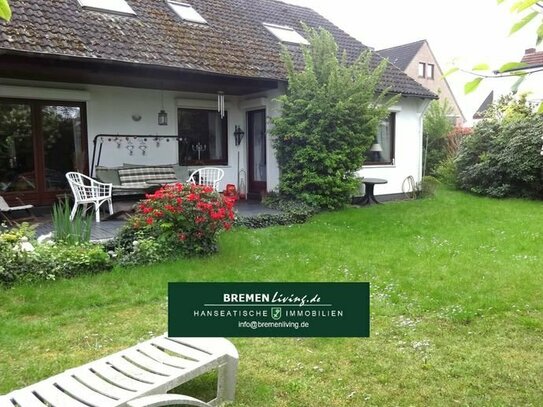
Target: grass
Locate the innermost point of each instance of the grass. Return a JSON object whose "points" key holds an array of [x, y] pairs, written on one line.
{"points": [[457, 309]]}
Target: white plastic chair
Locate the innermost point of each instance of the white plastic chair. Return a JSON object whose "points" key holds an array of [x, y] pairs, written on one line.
{"points": [[89, 191], [5, 208], [208, 176]]}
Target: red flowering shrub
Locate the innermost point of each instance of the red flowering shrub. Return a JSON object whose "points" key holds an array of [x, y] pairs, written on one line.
{"points": [[184, 217]]}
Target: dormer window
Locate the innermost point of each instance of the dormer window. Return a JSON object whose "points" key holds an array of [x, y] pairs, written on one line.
{"points": [[186, 12], [108, 6], [286, 34]]}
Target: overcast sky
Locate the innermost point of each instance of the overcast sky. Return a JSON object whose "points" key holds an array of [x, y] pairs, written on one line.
{"points": [[465, 31]]}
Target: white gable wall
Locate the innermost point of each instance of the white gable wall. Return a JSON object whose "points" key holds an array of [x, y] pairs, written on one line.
{"points": [[408, 148]]}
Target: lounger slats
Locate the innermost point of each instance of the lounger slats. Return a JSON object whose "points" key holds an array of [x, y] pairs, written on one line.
{"points": [[163, 357], [133, 371], [98, 384], [55, 397], [119, 379], [181, 350], [150, 364], [25, 398], [155, 366], [83, 393]]}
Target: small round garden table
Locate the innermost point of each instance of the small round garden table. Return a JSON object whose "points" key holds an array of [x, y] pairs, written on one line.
{"points": [[369, 184]]}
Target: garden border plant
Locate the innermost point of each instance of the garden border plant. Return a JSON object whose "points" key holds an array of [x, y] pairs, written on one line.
{"points": [[177, 220]]}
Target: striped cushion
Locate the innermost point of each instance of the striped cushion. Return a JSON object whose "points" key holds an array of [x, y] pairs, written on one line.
{"points": [[138, 177]]}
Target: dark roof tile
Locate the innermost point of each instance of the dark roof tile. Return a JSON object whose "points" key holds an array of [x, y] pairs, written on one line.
{"points": [[402, 55], [234, 42]]}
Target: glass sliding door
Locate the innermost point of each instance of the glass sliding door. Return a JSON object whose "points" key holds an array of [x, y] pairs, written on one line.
{"points": [[62, 144], [17, 163], [39, 142], [257, 151]]}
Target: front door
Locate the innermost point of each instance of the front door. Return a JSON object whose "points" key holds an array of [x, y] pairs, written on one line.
{"points": [[39, 142], [256, 121]]}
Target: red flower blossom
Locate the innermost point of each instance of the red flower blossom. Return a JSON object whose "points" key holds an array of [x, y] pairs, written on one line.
{"points": [[227, 225], [200, 219], [149, 221], [182, 237]]}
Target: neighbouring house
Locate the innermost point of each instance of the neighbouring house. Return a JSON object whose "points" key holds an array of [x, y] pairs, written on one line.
{"points": [[534, 84], [142, 82], [417, 60], [531, 87], [480, 113]]}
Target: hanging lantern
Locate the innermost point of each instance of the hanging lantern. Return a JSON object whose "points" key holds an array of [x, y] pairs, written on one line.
{"points": [[162, 118], [162, 115]]}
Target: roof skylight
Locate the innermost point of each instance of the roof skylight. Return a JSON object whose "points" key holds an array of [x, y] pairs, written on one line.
{"points": [[186, 12], [109, 6], [286, 34]]}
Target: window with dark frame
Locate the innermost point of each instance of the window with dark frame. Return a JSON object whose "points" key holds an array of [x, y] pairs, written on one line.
{"points": [[382, 151], [430, 71], [202, 137], [422, 69]]}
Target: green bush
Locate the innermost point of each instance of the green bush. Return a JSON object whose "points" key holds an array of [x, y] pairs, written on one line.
{"points": [[292, 212], [330, 115], [446, 172], [23, 260], [502, 156], [436, 127], [428, 186]]}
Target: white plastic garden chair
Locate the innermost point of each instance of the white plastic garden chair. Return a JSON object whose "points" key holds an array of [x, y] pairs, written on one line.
{"points": [[5, 209], [208, 176], [89, 191]]}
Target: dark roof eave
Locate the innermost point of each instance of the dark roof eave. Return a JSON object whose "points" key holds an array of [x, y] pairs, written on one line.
{"points": [[119, 62]]}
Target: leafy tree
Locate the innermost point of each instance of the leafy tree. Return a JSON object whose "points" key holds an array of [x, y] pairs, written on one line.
{"points": [[331, 112], [5, 10], [501, 157], [437, 125]]}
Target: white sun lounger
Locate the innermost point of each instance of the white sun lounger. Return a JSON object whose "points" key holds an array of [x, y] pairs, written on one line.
{"points": [[138, 376]]}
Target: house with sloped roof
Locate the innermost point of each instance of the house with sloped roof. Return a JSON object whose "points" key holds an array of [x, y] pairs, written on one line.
{"points": [[418, 61], [87, 84]]}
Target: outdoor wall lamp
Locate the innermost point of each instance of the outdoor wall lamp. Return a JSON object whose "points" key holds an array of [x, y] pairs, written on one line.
{"points": [[162, 118], [238, 135]]}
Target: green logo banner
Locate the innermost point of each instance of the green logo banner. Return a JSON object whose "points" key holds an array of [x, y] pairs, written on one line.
{"points": [[269, 309]]}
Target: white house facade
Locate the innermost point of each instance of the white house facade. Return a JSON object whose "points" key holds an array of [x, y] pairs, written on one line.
{"points": [[61, 109]]}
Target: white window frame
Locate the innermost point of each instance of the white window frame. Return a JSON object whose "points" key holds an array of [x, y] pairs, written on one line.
{"points": [[286, 34], [108, 6], [422, 66], [430, 71], [190, 15]]}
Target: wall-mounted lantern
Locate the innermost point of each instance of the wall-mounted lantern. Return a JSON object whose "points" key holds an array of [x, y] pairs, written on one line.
{"points": [[238, 135]]}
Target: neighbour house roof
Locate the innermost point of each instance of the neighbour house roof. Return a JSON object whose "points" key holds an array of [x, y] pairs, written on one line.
{"points": [[532, 57], [402, 55], [480, 113], [232, 42]]}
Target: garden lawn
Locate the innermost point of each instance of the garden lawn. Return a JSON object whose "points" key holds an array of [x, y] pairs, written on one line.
{"points": [[457, 308]]}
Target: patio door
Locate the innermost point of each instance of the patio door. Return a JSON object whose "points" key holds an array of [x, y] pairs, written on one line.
{"points": [[39, 142], [256, 121]]}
